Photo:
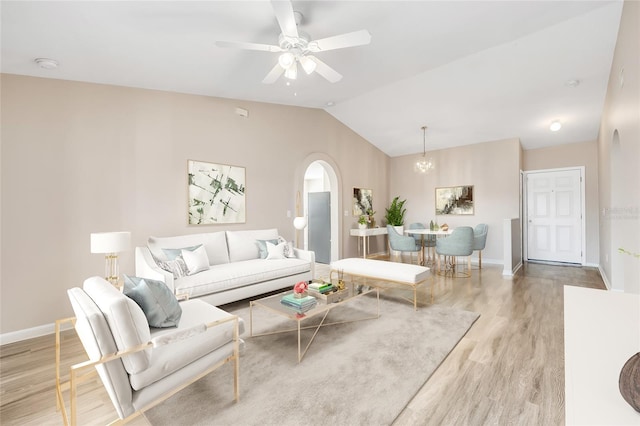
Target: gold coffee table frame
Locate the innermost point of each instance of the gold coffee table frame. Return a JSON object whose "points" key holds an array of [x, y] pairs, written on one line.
{"points": [[272, 304]]}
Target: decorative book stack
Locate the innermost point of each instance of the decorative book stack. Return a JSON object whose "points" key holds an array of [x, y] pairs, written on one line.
{"points": [[327, 292], [322, 287], [299, 304]]}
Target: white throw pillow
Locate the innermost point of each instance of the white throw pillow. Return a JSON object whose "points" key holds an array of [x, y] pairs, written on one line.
{"points": [[196, 260], [275, 251]]}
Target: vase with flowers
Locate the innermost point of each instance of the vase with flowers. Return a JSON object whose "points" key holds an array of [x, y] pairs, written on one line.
{"points": [[300, 289]]}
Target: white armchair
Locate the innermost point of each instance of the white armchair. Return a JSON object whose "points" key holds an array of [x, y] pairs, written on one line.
{"points": [[141, 366]]}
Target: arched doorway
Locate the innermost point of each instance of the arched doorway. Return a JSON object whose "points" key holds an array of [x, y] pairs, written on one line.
{"points": [[321, 181]]}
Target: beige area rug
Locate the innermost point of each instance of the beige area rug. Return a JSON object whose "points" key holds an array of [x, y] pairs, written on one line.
{"points": [[361, 373]]}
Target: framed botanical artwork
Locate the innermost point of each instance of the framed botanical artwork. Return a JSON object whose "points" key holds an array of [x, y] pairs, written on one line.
{"points": [[454, 200], [216, 193], [362, 201]]}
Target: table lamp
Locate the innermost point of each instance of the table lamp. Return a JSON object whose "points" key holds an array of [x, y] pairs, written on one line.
{"points": [[299, 222], [110, 243]]}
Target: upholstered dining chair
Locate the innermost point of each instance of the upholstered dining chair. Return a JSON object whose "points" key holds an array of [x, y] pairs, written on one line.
{"points": [[480, 240], [458, 244], [428, 241], [403, 243]]}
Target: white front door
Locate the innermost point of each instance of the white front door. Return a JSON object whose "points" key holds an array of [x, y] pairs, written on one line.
{"points": [[554, 216]]}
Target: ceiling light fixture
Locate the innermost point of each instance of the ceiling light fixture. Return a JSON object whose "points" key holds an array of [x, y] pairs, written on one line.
{"points": [[286, 60], [555, 126], [292, 72], [308, 64], [424, 165], [48, 64], [572, 83]]}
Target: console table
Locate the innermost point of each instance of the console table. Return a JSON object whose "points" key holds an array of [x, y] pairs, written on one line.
{"points": [[365, 234]]}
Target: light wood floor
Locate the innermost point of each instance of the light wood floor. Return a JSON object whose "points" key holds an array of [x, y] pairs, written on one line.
{"points": [[508, 369]]}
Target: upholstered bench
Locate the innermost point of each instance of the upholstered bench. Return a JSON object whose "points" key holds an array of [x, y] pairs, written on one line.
{"points": [[401, 273]]}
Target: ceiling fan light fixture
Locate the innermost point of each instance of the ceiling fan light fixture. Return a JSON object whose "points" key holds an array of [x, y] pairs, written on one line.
{"points": [[292, 72], [286, 60], [424, 165], [308, 64]]}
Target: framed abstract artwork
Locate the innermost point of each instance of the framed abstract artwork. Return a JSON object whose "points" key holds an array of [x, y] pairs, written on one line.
{"points": [[454, 200], [362, 201], [216, 193]]}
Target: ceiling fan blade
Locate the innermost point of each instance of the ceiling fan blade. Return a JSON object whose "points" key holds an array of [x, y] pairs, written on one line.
{"points": [[284, 15], [274, 74], [249, 46], [326, 71], [356, 38]]}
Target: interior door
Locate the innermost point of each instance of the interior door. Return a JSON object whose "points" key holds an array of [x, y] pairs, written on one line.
{"points": [[554, 216], [319, 228]]}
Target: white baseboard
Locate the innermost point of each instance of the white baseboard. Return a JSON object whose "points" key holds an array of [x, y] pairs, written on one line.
{"points": [[30, 333], [607, 284], [507, 273]]}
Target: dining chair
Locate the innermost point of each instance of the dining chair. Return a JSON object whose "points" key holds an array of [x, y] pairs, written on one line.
{"points": [[428, 242], [480, 240], [403, 243], [458, 244]]}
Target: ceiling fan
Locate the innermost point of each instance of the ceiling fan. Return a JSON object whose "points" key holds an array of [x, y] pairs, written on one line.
{"points": [[296, 47]]}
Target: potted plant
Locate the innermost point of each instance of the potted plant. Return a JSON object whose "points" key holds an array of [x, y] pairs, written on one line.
{"points": [[395, 214], [362, 222]]}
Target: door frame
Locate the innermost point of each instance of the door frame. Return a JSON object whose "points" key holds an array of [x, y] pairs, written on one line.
{"points": [[583, 219], [335, 183]]}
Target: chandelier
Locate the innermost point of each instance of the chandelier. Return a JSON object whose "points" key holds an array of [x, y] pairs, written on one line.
{"points": [[424, 165]]}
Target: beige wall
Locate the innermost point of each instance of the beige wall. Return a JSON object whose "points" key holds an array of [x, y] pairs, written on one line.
{"points": [[493, 168], [619, 159], [573, 155], [80, 158]]}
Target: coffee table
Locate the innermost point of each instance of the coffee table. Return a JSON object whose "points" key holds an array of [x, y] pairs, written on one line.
{"points": [[272, 304]]}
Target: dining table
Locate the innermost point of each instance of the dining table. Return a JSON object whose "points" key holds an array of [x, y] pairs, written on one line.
{"points": [[422, 233]]}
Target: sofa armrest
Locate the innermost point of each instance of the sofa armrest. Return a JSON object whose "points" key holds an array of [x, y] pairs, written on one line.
{"points": [[309, 256], [146, 267]]}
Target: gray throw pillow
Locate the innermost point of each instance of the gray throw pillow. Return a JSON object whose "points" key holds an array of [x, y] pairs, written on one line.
{"points": [[172, 253], [159, 305], [262, 247]]}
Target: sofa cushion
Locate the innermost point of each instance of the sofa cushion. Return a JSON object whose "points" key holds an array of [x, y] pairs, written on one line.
{"points": [[97, 340], [215, 243], [172, 253], [262, 247], [275, 251], [239, 274], [158, 303], [126, 320], [177, 266], [196, 260], [170, 358], [242, 244]]}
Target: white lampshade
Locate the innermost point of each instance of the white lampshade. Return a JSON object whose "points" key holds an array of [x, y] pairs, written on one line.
{"points": [[292, 72], [300, 222], [286, 60], [308, 64], [110, 242]]}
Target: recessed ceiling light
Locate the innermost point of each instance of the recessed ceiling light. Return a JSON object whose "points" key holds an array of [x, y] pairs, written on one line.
{"points": [[572, 83], [555, 126], [48, 64], [330, 103]]}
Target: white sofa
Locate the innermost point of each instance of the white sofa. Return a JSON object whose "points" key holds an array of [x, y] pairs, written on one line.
{"points": [[236, 270]]}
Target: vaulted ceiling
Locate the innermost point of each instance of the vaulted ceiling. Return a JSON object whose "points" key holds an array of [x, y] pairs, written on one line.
{"points": [[471, 71]]}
